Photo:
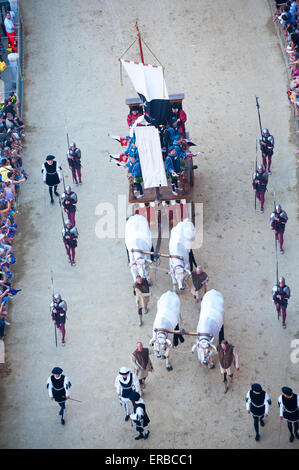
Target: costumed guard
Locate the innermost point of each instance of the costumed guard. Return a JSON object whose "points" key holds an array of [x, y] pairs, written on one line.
{"points": [[258, 404], [278, 220], [259, 184], [69, 200], [135, 174], [51, 175], [70, 235], [58, 311], [139, 417], [280, 295], [267, 147], [74, 161], [289, 410], [58, 386], [125, 383], [180, 117], [173, 169]]}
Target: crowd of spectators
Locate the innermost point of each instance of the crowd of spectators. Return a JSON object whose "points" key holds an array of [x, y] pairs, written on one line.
{"points": [[11, 176], [287, 15]]}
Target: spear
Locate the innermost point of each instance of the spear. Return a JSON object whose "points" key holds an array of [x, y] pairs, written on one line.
{"points": [[53, 301], [259, 116], [68, 145], [69, 254], [275, 241], [255, 172], [69, 398]]}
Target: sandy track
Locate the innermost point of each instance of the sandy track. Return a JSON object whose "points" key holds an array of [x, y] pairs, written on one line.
{"points": [[220, 57]]}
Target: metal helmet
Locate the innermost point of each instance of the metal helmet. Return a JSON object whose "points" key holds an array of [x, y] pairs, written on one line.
{"points": [[68, 222], [261, 167], [266, 131], [73, 144], [278, 207], [124, 370], [57, 296], [68, 188], [282, 279]]}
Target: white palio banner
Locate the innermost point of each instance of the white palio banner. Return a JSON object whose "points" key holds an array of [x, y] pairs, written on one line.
{"points": [[150, 156]]}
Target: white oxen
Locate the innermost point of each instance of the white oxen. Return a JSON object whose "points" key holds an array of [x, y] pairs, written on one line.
{"points": [[180, 244], [210, 323], [138, 237], [167, 317]]}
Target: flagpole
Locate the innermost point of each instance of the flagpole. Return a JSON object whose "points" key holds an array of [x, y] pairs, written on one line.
{"points": [[139, 41]]}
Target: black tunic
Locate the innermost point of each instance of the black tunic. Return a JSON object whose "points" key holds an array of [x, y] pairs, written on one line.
{"points": [[257, 403], [127, 387], [52, 178], [59, 388], [144, 420], [290, 407]]}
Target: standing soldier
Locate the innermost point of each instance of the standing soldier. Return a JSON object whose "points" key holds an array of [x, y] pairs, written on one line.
{"points": [[74, 160], [173, 169], [267, 147], [142, 363], [280, 295], [258, 404], [125, 383], [139, 417], [70, 235], [58, 386], [259, 184], [58, 310], [69, 200], [227, 359], [199, 280], [51, 175], [289, 410], [278, 220], [142, 292]]}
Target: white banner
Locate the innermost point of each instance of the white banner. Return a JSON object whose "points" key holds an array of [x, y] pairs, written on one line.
{"points": [[148, 80], [150, 156]]}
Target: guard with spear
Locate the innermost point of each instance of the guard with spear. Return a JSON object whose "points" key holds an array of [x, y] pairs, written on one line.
{"points": [[278, 219], [55, 331], [58, 310], [70, 236], [69, 200], [58, 386], [259, 184], [266, 141], [280, 295], [73, 158]]}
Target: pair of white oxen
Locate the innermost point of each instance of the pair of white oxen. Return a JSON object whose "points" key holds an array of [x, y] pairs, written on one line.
{"points": [[211, 317]]}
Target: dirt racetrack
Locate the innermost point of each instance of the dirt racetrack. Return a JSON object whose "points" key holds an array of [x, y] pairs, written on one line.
{"points": [[220, 54]]}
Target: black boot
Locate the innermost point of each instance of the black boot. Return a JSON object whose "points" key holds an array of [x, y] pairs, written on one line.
{"points": [[127, 417], [141, 436], [257, 437], [262, 422], [291, 438]]}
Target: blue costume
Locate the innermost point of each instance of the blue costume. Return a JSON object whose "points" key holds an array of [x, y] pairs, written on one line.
{"points": [[173, 164]]}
